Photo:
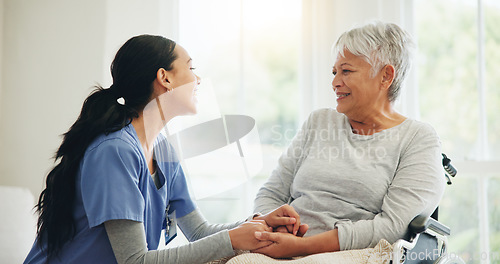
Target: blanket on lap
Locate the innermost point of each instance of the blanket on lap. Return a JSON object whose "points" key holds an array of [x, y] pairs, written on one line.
{"points": [[380, 254]]}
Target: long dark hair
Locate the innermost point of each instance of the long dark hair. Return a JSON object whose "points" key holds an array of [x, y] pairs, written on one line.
{"points": [[134, 69]]}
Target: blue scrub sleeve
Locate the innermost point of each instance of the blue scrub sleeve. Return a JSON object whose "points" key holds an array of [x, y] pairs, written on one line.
{"points": [[110, 175]]}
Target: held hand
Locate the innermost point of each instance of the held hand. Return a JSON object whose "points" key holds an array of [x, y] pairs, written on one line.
{"points": [[284, 215], [243, 236], [284, 245], [302, 230], [281, 229]]}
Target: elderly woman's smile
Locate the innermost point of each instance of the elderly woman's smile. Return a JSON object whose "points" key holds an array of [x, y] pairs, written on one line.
{"points": [[341, 96], [359, 88]]}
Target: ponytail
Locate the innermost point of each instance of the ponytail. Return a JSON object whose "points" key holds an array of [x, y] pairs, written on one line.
{"points": [[101, 113]]}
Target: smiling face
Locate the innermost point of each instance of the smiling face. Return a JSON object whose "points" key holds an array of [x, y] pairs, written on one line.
{"points": [[357, 91], [183, 83]]}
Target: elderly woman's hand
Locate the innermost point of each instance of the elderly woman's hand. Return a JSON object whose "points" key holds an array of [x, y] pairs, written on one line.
{"points": [[283, 216], [284, 245]]}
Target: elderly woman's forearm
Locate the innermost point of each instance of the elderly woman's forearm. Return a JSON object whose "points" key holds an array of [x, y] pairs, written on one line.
{"points": [[321, 243]]}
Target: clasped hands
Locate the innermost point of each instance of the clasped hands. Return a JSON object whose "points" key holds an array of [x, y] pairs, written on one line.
{"points": [[278, 234]]}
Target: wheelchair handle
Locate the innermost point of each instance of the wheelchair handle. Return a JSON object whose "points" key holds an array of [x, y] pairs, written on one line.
{"points": [[448, 168]]}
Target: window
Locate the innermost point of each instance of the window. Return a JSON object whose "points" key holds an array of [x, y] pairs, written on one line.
{"points": [[458, 58], [247, 57], [251, 55]]}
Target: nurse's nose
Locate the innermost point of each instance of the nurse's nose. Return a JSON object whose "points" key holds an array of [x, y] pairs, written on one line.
{"points": [[198, 79]]}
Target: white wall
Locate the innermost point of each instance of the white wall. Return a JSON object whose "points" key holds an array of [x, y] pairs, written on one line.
{"points": [[54, 51], [52, 56]]}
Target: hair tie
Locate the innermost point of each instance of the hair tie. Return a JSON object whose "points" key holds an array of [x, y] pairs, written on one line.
{"points": [[121, 100]]}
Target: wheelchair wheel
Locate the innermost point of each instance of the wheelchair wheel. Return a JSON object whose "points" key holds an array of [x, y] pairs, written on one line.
{"points": [[446, 259]]}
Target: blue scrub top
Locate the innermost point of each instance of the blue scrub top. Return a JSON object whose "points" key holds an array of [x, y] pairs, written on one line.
{"points": [[114, 182]]}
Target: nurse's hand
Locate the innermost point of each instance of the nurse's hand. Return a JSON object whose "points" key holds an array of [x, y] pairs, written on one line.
{"points": [[283, 216], [243, 236]]}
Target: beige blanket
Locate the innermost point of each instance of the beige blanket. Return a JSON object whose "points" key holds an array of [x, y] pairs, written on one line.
{"points": [[381, 253]]}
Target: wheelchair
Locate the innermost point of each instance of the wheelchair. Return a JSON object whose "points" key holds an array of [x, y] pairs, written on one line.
{"points": [[426, 241]]}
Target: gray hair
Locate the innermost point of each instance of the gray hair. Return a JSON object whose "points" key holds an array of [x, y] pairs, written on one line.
{"points": [[380, 44]]}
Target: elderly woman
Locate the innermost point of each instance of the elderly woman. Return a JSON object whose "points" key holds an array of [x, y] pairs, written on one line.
{"points": [[362, 172]]}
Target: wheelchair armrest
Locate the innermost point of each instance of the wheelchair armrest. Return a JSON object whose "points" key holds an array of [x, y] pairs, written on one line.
{"points": [[421, 223]]}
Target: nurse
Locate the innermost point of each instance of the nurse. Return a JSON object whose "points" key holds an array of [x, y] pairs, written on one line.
{"points": [[117, 181]]}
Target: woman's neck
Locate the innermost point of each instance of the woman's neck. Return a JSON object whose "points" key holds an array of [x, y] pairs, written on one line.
{"points": [[146, 135], [375, 122], [148, 126]]}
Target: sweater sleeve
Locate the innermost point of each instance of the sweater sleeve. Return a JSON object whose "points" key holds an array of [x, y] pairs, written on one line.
{"points": [[416, 188], [276, 191], [194, 226], [128, 241]]}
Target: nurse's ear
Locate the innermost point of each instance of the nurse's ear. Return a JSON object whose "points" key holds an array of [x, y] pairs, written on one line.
{"points": [[164, 77]]}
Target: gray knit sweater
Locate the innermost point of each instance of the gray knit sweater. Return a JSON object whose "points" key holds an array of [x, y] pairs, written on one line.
{"points": [[369, 187], [208, 242]]}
